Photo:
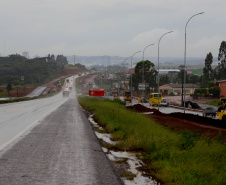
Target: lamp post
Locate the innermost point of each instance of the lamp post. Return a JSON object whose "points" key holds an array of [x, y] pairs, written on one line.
{"points": [[182, 68], [158, 63], [143, 67], [185, 53], [131, 76], [125, 74]]}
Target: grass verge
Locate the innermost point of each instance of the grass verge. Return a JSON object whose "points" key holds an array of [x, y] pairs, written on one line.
{"points": [[171, 157], [11, 100], [4, 94], [62, 80], [215, 103]]}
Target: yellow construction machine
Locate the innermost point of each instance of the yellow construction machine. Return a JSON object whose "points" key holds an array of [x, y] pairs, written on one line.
{"points": [[221, 111], [115, 95], [155, 98], [127, 96]]}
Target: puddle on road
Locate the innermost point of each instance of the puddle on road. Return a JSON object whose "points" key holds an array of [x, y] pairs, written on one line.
{"points": [[105, 137], [132, 160], [133, 163], [94, 123]]}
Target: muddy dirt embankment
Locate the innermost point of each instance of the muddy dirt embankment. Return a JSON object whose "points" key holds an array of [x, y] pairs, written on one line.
{"points": [[180, 121]]}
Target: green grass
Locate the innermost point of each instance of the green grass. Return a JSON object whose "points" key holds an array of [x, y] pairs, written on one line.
{"points": [[70, 67], [4, 94], [215, 103], [62, 80], [11, 100], [128, 175], [173, 158]]}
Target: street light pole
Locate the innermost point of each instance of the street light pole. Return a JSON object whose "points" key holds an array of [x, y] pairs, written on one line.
{"points": [[143, 67], [185, 54], [182, 68], [131, 77], [125, 74], [158, 63]]}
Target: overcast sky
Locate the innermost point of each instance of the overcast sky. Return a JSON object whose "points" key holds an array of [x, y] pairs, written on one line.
{"points": [[111, 27]]}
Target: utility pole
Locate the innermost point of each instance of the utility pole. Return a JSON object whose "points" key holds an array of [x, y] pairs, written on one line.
{"points": [[74, 60], [4, 48]]}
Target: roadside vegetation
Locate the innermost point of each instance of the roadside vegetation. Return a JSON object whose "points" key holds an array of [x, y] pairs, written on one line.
{"points": [[18, 99], [12, 100], [215, 103], [18, 70], [70, 67], [62, 80], [171, 157], [4, 94]]}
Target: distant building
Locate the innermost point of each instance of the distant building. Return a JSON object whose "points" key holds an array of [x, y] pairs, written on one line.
{"points": [[167, 70], [198, 72], [189, 71], [132, 71], [25, 54], [106, 60], [222, 85], [177, 88]]}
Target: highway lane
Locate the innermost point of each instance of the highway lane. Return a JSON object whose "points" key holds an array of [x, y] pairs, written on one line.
{"points": [[17, 118], [62, 148]]}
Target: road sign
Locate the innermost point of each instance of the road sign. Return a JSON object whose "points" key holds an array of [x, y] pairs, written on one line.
{"points": [[96, 92], [143, 86], [157, 79]]}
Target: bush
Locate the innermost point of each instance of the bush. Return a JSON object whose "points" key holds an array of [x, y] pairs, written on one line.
{"points": [[215, 91], [202, 91], [216, 103]]}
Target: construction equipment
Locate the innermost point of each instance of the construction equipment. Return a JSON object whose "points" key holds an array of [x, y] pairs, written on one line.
{"points": [[127, 96], [115, 95], [221, 112], [155, 98]]}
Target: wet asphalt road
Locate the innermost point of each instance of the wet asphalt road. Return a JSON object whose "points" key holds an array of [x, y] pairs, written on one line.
{"points": [[61, 149]]}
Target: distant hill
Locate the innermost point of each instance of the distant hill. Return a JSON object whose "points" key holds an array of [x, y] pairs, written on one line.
{"points": [[97, 60], [17, 69]]}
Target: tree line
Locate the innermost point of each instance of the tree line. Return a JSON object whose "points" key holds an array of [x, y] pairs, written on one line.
{"points": [[205, 81], [18, 70]]}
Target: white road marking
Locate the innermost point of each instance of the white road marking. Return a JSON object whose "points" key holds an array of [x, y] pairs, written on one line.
{"points": [[23, 131]]}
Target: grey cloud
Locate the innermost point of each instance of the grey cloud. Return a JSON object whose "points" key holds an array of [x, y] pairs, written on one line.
{"points": [[112, 27]]}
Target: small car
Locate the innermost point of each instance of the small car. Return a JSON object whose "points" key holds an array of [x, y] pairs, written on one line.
{"points": [[173, 93], [209, 111], [164, 103]]}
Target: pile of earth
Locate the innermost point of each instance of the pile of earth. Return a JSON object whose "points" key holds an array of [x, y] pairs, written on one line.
{"points": [[181, 121], [141, 108]]}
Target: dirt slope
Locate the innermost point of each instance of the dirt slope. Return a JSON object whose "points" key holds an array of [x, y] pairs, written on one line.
{"points": [[180, 122]]}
